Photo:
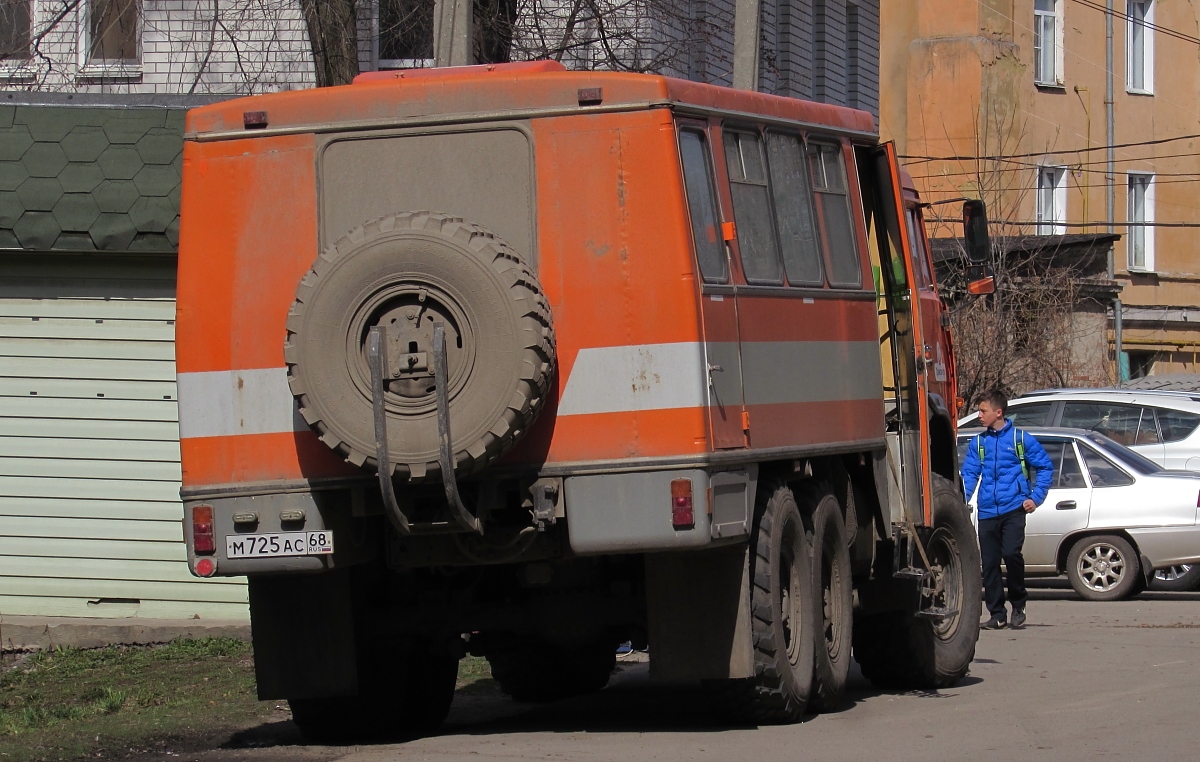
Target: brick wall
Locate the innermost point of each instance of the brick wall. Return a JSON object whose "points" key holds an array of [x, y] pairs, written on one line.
{"points": [[249, 46], [826, 50]]}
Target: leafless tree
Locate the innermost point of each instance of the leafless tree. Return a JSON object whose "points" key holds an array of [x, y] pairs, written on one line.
{"points": [[1045, 325]]}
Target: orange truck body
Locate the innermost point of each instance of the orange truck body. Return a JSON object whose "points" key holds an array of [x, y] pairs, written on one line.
{"points": [[664, 371]]}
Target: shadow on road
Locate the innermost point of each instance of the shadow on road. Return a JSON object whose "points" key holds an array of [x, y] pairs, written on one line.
{"points": [[630, 704], [1059, 589]]}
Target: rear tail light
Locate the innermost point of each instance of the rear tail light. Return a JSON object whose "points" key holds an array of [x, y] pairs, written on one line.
{"points": [[205, 567], [682, 514], [202, 529]]}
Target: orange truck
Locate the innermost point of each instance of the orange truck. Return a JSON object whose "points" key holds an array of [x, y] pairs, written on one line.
{"points": [[527, 363]]}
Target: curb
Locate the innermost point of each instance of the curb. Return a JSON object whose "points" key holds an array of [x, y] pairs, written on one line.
{"points": [[29, 633]]}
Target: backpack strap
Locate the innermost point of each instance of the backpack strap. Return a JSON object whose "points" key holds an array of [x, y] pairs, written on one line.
{"points": [[1020, 447]]}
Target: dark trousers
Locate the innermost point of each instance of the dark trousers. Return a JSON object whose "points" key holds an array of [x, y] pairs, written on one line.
{"points": [[1002, 538]]}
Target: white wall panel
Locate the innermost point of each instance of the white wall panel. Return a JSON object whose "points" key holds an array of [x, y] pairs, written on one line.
{"points": [[89, 445]]}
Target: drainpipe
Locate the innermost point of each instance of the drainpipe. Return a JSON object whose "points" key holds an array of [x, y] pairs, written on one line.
{"points": [[1110, 181], [745, 44]]}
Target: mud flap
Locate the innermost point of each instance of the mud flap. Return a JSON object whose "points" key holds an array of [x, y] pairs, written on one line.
{"points": [[303, 631], [699, 610]]}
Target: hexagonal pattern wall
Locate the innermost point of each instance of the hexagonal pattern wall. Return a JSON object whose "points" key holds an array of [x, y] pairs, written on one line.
{"points": [[90, 179]]}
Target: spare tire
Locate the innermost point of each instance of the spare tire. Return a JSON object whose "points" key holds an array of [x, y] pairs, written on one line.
{"points": [[406, 272]]}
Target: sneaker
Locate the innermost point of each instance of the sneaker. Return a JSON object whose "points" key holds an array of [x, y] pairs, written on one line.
{"points": [[1018, 619], [625, 648], [995, 623]]}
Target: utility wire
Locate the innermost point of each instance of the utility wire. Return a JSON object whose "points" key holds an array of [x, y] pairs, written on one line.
{"points": [[1034, 155], [1164, 30], [1103, 223]]}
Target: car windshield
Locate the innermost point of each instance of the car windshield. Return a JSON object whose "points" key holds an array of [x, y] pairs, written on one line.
{"points": [[1138, 463]]}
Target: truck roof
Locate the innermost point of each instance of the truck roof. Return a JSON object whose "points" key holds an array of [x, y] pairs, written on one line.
{"points": [[496, 92]]}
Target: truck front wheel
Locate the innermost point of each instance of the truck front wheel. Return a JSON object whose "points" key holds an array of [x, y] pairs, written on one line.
{"points": [[898, 650]]}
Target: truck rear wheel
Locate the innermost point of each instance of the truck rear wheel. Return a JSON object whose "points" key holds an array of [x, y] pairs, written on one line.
{"points": [[783, 616], [540, 672], [896, 649], [405, 691], [833, 599], [406, 273]]}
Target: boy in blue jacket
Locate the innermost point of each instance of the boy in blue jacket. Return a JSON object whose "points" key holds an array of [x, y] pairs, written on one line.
{"points": [[1005, 496]]}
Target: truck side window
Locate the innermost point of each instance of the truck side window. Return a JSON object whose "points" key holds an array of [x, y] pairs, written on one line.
{"points": [[752, 208], [828, 169], [792, 195], [702, 205], [917, 244]]}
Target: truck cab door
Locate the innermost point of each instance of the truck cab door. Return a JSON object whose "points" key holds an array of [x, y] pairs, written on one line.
{"points": [[906, 400]]}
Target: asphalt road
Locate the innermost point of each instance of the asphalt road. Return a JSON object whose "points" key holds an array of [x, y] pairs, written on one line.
{"points": [[1081, 681]]}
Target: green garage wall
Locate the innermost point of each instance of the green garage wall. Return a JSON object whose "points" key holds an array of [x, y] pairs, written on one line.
{"points": [[90, 516]]}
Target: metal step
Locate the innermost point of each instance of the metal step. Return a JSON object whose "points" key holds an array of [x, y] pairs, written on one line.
{"points": [[936, 614]]}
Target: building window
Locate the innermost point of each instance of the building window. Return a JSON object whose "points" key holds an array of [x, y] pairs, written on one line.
{"points": [[404, 33], [1047, 42], [114, 32], [1139, 46], [16, 17], [1052, 201], [1141, 365], [1140, 242]]}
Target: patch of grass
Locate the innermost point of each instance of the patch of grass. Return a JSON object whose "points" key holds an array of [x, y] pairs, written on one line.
{"points": [[67, 703], [475, 677], [124, 701]]}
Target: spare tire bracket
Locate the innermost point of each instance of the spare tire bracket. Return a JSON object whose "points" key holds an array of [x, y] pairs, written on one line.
{"points": [[461, 518]]}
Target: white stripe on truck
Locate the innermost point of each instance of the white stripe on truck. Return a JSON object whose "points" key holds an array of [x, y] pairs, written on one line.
{"points": [[636, 377], [231, 402]]}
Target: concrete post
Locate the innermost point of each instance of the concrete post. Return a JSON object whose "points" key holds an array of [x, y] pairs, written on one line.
{"points": [[745, 44], [452, 33]]}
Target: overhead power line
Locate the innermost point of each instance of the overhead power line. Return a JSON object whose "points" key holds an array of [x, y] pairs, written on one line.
{"points": [[1156, 27], [1032, 155], [1102, 223]]}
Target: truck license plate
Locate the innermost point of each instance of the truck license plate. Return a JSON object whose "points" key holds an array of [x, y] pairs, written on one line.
{"points": [[282, 544]]}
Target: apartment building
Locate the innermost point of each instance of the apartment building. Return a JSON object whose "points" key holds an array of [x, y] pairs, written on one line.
{"points": [[1006, 99]]}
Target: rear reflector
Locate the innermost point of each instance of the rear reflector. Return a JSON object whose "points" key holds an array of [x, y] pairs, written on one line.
{"points": [[205, 567], [682, 515], [202, 529]]}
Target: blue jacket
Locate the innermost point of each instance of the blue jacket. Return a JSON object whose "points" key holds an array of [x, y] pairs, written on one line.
{"points": [[1003, 488]]}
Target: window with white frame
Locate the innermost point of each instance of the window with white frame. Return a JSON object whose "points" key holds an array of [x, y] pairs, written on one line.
{"points": [[1139, 244], [404, 33], [16, 22], [1052, 200], [1047, 42], [113, 33], [1139, 46]]}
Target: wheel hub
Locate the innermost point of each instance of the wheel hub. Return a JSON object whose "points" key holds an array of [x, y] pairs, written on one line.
{"points": [[408, 311], [409, 323]]}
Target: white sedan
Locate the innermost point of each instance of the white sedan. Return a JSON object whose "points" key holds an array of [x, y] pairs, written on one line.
{"points": [[1111, 517]]}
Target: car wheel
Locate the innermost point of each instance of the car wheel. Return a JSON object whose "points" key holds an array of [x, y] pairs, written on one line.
{"points": [[1103, 568], [1183, 577]]}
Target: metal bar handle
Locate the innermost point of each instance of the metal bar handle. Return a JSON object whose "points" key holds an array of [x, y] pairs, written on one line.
{"points": [[376, 341], [458, 511]]}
